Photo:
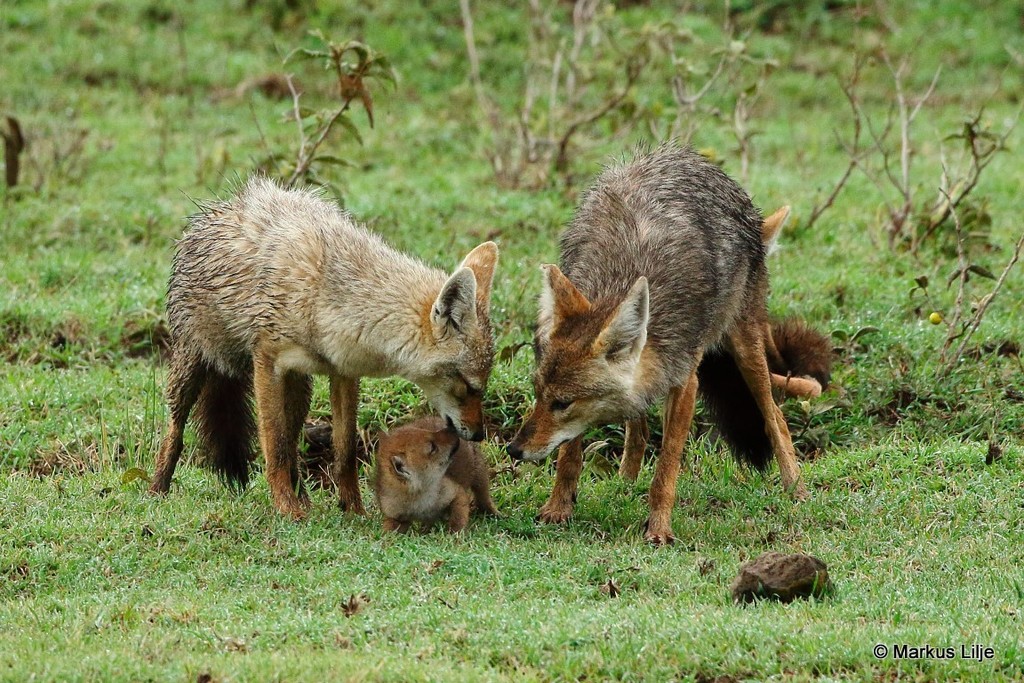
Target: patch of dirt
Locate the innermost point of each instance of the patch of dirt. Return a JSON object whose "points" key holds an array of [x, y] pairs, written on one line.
{"points": [[146, 338], [904, 398], [14, 329], [27, 341], [65, 459], [273, 86], [708, 678], [68, 333], [1004, 348]]}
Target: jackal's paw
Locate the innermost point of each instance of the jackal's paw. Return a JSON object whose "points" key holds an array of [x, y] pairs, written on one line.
{"points": [[554, 513], [351, 503], [487, 509], [800, 494], [158, 488], [395, 526], [658, 535], [291, 508]]}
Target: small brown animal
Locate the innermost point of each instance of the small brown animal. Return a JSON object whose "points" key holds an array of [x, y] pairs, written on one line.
{"points": [[424, 473]]}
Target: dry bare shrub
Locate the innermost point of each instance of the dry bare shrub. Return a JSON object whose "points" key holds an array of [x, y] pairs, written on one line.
{"points": [[577, 73], [884, 152]]}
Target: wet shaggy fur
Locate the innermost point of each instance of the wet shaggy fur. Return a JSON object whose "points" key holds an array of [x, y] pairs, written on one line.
{"points": [[280, 284], [802, 351]]}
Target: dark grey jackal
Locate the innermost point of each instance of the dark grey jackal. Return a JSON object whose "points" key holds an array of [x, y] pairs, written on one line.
{"points": [[663, 272]]}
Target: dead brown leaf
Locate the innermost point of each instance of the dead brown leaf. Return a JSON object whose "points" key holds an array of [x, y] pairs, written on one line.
{"points": [[354, 604], [610, 588]]}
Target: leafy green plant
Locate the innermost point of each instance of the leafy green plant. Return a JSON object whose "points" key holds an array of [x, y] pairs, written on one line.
{"points": [[353, 64]]}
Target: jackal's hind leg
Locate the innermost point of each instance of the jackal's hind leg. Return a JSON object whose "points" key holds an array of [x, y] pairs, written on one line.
{"points": [[567, 475], [637, 435], [678, 416], [298, 394], [277, 439], [748, 348], [344, 410], [184, 380]]}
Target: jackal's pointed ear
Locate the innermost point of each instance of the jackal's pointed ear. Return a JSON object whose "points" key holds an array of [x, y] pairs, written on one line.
{"points": [[454, 310], [772, 226], [399, 466], [559, 299], [626, 333], [482, 261]]}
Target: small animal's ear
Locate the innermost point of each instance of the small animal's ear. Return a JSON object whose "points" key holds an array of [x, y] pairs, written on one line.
{"points": [[482, 261], [626, 333], [399, 465], [454, 310], [559, 299], [772, 226]]}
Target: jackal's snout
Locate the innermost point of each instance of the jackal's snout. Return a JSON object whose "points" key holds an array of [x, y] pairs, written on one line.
{"points": [[469, 432]]}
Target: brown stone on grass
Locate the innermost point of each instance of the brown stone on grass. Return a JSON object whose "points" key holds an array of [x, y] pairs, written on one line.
{"points": [[776, 576]]}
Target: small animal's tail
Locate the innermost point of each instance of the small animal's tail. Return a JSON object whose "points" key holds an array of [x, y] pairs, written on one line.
{"points": [[227, 426], [733, 410], [802, 352]]}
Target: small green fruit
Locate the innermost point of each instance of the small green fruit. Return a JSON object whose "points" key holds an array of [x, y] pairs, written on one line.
{"points": [[935, 318]]}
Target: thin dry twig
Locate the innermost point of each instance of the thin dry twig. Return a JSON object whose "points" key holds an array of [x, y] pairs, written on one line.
{"points": [[982, 149], [983, 305], [853, 149], [962, 276]]}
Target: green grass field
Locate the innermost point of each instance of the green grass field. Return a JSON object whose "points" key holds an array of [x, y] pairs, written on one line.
{"points": [[131, 109]]}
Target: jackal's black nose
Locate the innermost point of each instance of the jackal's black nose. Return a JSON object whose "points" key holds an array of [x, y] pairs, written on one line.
{"points": [[478, 435], [514, 451]]}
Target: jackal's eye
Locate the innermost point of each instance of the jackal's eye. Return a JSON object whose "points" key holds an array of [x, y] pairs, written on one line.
{"points": [[559, 404]]}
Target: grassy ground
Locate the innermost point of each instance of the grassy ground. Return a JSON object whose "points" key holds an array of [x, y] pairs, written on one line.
{"points": [[131, 110]]}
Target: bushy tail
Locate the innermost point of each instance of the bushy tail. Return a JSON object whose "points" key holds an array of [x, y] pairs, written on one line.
{"points": [[802, 352], [227, 426], [733, 409]]}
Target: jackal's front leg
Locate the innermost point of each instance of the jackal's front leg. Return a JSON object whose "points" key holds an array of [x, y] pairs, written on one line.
{"points": [[637, 435], [567, 476], [344, 409], [276, 437], [662, 498], [458, 513]]}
